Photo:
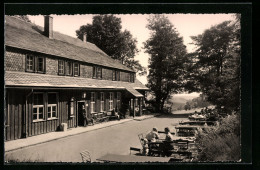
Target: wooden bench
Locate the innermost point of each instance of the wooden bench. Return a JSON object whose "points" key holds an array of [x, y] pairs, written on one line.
{"points": [[113, 117], [135, 149]]}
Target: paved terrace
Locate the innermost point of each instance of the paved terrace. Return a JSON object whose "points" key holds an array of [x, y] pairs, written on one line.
{"points": [[34, 140]]}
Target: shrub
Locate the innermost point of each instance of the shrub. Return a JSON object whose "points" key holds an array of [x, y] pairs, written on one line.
{"points": [[221, 143]]}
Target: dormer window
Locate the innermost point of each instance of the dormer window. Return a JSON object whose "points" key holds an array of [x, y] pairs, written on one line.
{"points": [[115, 75], [132, 77], [35, 64], [97, 72], [118, 75], [40, 64], [68, 68], [76, 69], [29, 63], [61, 67]]}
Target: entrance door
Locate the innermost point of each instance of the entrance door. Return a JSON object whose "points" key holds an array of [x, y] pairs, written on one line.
{"points": [[81, 107]]}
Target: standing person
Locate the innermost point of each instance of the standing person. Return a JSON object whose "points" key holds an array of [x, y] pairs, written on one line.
{"points": [[153, 135], [84, 115]]}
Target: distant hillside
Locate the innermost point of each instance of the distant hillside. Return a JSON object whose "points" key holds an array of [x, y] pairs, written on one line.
{"points": [[179, 100]]}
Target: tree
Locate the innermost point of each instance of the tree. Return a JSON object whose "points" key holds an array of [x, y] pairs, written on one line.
{"points": [[166, 64], [217, 68], [105, 32]]}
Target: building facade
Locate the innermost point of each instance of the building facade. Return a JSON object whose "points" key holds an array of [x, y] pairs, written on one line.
{"points": [[50, 78]]}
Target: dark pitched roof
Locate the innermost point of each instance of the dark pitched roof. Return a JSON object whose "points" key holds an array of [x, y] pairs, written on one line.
{"points": [[24, 35], [23, 79]]}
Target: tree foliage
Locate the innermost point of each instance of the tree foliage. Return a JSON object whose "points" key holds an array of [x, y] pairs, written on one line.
{"points": [[166, 64], [221, 143], [215, 68], [106, 33]]}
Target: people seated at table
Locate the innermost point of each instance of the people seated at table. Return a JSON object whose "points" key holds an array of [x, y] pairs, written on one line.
{"points": [[152, 135]]}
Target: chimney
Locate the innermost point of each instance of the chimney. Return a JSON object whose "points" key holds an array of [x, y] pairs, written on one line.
{"points": [[48, 26], [84, 37]]}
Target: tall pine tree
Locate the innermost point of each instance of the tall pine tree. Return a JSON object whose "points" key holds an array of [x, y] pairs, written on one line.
{"points": [[167, 59]]}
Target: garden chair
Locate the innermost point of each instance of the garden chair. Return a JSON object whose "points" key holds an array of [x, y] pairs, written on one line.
{"points": [[86, 157], [141, 137]]}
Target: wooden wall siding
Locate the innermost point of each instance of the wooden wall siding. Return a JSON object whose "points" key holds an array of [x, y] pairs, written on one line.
{"points": [[86, 71], [65, 97], [124, 76], [14, 61], [20, 113], [14, 128], [106, 74], [51, 66]]}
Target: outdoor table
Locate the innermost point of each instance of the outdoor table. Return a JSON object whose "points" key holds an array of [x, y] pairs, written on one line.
{"points": [[198, 123], [164, 132], [131, 158]]}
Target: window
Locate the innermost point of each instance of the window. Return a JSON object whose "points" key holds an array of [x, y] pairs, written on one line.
{"points": [[29, 63], [118, 99], [111, 96], [76, 69], [61, 67], [92, 102], [38, 107], [52, 106], [35, 64], [97, 72], [113, 75], [102, 103], [40, 64], [132, 78], [94, 72], [129, 77], [72, 107], [68, 68], [118, 75]]}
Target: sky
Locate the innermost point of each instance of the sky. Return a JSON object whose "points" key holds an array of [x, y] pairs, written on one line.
{"points": [[186, 24]]}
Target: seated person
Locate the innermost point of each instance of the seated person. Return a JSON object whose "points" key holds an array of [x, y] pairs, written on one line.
{"points": [[169, 136], [145, 150], [115, 113], [153, 135], [168, 145], [90, 119]]}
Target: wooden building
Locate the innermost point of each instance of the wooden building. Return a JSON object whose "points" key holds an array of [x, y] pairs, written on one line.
{"points": [[50, 77]]}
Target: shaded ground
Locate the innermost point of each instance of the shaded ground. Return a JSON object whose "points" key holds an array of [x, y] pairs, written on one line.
{"points": [[186, 111], [116, 139]]}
